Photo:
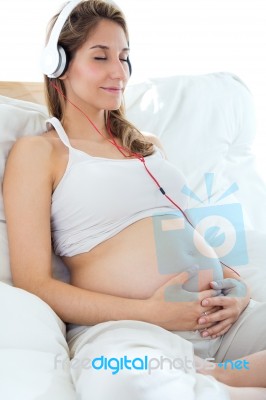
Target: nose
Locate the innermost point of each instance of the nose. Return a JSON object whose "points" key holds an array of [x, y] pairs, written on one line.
{"points": [[119, 69]]}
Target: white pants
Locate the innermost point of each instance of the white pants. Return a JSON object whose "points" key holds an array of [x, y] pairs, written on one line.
{"points": [[100, 370]]}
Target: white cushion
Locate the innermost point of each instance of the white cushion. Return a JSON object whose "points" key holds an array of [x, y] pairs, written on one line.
{"points": [[32, 338], [5, 273]]}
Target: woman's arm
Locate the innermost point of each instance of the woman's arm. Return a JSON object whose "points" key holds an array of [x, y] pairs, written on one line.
{"points": [[28, 184]]}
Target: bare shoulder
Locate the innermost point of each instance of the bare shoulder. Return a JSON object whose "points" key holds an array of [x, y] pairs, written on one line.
{"points": [[31, 145], [31, 153], [155, 140], [34, 149]]}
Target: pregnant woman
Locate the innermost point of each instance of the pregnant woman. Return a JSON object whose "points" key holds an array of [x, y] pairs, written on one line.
{"points": [[107, 196]]}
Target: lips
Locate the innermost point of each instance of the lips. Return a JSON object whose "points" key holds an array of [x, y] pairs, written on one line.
{"points": [[112, 89]]}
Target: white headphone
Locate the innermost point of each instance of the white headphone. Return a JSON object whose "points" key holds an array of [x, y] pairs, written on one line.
{"points": [[54, 59]]}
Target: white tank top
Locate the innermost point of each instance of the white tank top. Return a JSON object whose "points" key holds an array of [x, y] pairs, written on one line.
{"points": [[99, 197]]}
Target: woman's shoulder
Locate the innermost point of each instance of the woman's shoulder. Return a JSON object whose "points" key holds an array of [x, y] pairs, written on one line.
{"points": [[43, 144], [38, 157], [31, 150]]}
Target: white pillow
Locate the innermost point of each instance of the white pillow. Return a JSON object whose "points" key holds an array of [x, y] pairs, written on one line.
{"points": [[32, 337], [19, 118], [5, 273]]}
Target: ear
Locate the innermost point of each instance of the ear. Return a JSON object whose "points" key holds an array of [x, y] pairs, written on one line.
{"points": [[65, 73], [63, 77]]}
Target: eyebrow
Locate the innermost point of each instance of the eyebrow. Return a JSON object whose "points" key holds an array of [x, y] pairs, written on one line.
{"points": [[100, 46]]}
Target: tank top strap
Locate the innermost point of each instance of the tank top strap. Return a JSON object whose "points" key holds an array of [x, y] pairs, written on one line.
{"points": [[60, 130]]}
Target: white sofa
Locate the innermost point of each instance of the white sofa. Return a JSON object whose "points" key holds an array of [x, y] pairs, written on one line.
{"points": [[206, 124]]}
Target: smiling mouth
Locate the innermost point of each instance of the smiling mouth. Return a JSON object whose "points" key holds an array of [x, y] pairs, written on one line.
{"points": [[112, 89]]}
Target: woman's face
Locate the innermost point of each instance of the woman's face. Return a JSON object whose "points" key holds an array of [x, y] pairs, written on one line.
{"points": [[98, 73]]}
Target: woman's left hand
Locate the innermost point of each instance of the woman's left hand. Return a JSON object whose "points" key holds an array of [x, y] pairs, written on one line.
{"points": [[234, 300]]}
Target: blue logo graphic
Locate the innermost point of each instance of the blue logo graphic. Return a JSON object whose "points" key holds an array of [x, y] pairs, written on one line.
{"points": [[212, 233]]}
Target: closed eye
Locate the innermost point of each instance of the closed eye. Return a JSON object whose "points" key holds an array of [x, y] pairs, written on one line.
{"points": [[104, 58]]}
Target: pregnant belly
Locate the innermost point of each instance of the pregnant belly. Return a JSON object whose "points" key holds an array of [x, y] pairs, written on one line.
{"points": [[144, 256]]}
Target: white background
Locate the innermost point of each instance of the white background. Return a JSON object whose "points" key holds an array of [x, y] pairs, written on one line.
{"points": [[169, 37]]}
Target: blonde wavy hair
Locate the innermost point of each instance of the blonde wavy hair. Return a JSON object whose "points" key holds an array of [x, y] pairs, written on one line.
{"points": [[82, 20]]}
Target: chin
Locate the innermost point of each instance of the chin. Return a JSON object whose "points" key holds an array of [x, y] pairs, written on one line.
{"points": [[113, 107]]}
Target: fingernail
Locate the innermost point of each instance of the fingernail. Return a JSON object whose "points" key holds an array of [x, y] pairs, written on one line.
{"points": [[205, 302], [202, 321], [205, 334], [214, 283]]}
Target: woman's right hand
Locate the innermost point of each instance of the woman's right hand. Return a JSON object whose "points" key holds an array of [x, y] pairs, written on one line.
{"points": [[175, 309]]}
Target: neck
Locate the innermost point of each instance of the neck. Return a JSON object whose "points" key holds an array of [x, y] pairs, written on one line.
{"points": [[77, 123]]}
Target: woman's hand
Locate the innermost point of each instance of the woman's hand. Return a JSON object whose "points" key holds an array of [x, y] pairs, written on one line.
{"points": [[174, 308], [234, 300]]}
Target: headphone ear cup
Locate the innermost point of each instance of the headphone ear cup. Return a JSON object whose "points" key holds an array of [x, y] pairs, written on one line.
{"points": [[62, 63], [53, 61]]}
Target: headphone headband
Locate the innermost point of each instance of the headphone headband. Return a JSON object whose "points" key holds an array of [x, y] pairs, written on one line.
{"points": [[58, 26], [53, 55]]}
